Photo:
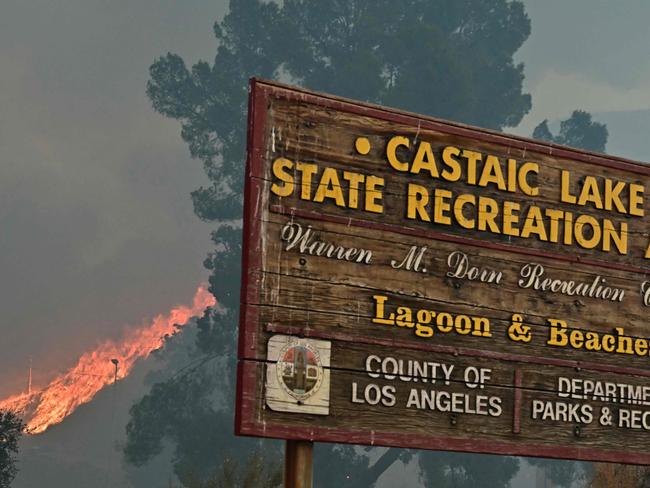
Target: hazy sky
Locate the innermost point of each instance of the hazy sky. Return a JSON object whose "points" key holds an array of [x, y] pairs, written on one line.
{"points": [[589, 54], [96, 224]]}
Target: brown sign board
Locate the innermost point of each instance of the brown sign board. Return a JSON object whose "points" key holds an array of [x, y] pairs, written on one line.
{"points": [[416, 283]]}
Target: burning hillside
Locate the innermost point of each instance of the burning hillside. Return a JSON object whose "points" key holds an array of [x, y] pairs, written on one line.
{"points": [[95, 370]]}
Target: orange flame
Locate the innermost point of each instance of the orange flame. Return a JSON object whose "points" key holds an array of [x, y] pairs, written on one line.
{"points": [[94, 370]]}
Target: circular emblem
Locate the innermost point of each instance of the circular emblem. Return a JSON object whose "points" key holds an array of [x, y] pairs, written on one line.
{"points": [[299, 370]]}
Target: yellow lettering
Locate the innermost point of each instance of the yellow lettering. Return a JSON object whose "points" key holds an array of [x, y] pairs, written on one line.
{"points": [[374, 194], [424, 159], [488, 210], [512, 175], [418, 197], [307, 171], [612, 196], [581, 222], [473, 157], [280, 166], [641, 347], [423, 318], [330, 187], [379, 318], [441, 206], [624, 342], [590, 193], [593, 341], [404, 317], [565, 191], [353, 194], [510, 218], [463, 324], [391, 150], [445, 322], [526, 168], [609, 343], [534, 224], [636, 200], [492, 173], [458, 210], [576, 339], [554, 227], [557, 333], [455, 171], [610, 235], [568, 228], [481, 327]]}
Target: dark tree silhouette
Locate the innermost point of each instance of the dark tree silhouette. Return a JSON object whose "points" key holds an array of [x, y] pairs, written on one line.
{"points": [[11, 429], [578, 131], [446, 58]]}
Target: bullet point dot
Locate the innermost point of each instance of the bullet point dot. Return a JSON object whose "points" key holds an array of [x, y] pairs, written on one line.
{"points": [[362, 145]]}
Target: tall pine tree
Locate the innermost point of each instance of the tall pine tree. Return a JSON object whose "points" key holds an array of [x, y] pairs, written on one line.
{"points": [[446, 58]]}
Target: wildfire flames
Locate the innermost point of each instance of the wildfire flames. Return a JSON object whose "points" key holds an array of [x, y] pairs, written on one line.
{"points": [[94, 370]]}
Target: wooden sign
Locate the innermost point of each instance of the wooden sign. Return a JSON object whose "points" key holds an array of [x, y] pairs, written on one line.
{"points": [[416, 283]]}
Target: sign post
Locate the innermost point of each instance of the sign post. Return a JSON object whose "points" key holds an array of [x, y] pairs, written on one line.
{"points": [[410, 282], [298, 464]]}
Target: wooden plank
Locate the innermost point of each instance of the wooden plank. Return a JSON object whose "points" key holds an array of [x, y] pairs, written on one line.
{"points": [[337, 285], [390, 408], [313, 133], [323, 291]]}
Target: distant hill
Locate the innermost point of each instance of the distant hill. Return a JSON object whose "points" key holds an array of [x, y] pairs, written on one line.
{"points": [[84, 450]]}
